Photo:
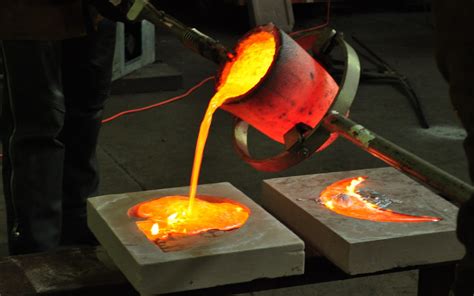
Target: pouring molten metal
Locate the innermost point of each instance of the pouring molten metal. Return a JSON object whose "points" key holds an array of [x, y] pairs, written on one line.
{"points": [[182, 215], [341, 197]]}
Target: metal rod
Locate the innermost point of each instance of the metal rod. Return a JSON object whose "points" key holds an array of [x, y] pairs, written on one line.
{"points": [[191, 37], [424, 172]]}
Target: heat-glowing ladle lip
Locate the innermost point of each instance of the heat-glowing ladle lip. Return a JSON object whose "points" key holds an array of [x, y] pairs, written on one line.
{"points": [[277, 35], [133, 211]]}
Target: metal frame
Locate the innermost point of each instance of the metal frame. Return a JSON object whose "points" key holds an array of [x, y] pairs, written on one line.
{"points": [[422, 171], [121, 66], [90, 271], [386, 73], [302, 141]]}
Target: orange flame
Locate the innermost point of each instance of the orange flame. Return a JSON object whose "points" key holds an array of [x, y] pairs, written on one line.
{"points": [[341, 197]]}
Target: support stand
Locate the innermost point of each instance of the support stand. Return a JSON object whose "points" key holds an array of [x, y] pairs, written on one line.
{"points": [[386, 73], [383, 73], [135, 69], [89, 271]]}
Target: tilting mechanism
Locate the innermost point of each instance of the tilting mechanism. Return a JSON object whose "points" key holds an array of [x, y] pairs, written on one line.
{"points": [[303, 141]]}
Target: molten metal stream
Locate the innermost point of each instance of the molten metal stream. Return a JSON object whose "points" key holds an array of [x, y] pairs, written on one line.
{"points": [[341, 197], [254, 57], [182, 215]]}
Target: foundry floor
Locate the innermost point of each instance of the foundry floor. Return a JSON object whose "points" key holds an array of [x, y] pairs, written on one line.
{"points": [[154, 149]]}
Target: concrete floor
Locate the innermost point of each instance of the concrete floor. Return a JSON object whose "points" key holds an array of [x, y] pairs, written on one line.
{"points": [[154, 149]]}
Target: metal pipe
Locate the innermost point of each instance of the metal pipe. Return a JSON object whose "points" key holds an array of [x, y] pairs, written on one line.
{"points": [[422, 171], [190, 37]]}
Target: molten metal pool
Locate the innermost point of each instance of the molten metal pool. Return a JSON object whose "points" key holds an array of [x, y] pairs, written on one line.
{"points": [[343, 198], [179, 214], [261, 248], [168, 215], [361, 245]]}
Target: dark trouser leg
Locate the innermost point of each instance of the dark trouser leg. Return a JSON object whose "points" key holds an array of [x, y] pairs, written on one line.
{"points": [[87, 71], [32, 118], [455, 52]]}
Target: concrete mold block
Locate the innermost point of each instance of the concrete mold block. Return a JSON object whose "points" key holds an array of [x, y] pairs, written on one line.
{"points": [[361, 246], [262, 248]]}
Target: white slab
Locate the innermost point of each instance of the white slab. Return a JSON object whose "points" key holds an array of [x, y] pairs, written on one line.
{"points": [[360, 246], [262, 248]]}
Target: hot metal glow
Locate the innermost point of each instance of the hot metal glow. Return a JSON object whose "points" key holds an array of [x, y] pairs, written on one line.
{"points": [[341, 197], [168, 215], [254, 56], [178, 214]]}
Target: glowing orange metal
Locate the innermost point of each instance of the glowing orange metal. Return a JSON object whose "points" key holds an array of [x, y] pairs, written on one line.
{"points": [[341, 197], [254, 56], [168, 215], [182, 215]]}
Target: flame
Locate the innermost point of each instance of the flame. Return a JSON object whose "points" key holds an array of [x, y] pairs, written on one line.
{"points": [[168, 215], [341, 197], [177, 214]]}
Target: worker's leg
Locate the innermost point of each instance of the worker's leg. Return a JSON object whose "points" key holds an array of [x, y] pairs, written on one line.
{"points": [[87, 71], [461, 68], [464, 284], [455, 52], [33, 113]]}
